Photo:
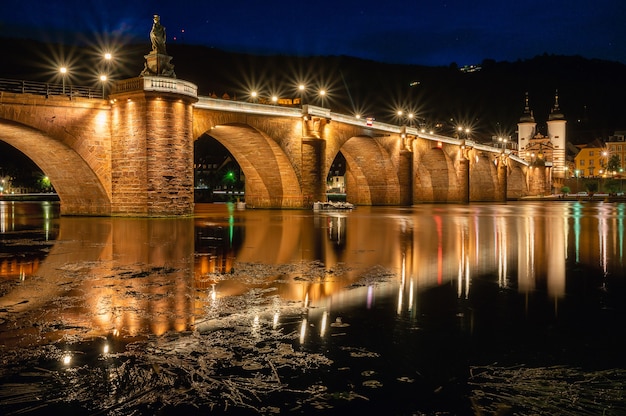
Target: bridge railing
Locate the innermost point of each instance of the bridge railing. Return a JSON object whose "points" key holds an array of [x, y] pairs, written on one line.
{"points": [[48, 89], [277, 110], [246, 107], [158, 84]]}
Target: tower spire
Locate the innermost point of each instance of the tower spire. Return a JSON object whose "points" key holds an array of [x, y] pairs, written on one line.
{"points": [[527, 116], [555, 113]]}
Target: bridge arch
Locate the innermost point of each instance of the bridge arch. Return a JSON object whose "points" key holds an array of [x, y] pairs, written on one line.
{"points": [[483, 177], [435, 178], [516, 182], [270, 179], [78, 187], [371, 176]]}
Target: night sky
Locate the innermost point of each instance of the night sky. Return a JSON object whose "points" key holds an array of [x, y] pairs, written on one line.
{"points": [[394, 31]]}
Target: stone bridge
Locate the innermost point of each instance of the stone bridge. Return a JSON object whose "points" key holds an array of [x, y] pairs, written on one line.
{"points": [[132, 155]]}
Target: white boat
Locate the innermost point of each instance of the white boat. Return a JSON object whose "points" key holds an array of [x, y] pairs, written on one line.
{"points": [[332, 206]]}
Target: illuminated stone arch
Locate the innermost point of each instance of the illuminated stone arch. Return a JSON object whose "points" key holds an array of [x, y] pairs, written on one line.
{"points": [[77, 185], [516, 183], [483, 177], [371, 175], [434, 178], [271, 180]]}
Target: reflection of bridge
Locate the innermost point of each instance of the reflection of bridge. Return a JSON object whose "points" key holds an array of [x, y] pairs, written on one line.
{"points": [[133, 155]]}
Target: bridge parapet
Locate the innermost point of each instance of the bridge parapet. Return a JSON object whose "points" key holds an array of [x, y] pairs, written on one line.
{"points": [[156, 84]]}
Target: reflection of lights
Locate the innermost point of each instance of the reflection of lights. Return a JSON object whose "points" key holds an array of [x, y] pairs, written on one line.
{"points": [[501, 248], [620, 228], [577, 214], [256, 326], [324, 323], [67, 359], [275, 322], [105, 349], [439, 225], [602, 239], [400, 296], [463, 273], [303, 331]]}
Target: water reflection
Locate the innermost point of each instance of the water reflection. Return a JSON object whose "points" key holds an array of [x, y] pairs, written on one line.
{"points": [[116, 278], [526, 245]]}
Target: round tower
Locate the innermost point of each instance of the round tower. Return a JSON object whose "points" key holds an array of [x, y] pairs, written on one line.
{"points": [[525, 129]]}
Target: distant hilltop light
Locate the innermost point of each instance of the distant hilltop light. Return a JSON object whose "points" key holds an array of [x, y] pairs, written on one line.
{"points": [[470, 68]]}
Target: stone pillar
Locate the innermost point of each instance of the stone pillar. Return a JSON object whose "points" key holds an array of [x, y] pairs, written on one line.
{"points": [[313, 174], [405, 174], [502, 178], [464, 176], [152, 147], [537, 181], [169, 157]]}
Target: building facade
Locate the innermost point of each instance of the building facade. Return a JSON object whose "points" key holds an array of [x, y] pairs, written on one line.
{"points": [[535, 147], [594, 159]]}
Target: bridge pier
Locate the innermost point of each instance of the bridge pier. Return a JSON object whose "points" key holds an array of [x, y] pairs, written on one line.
{"points": [[502, 173], [152, 147], [538, 180], [313, 176], [405, 176], [464, 175]]}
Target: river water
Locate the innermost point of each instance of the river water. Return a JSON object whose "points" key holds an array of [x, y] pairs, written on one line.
{"points": [[513, 308]]}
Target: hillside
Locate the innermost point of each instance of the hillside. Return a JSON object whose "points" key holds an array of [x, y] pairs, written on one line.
{"points": [[591, 92]]}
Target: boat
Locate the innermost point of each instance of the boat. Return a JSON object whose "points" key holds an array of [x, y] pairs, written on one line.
{"points": [[332, 206]]}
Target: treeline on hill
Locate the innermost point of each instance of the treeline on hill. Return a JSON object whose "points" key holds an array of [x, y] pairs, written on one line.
{"points": [[591, 92]]}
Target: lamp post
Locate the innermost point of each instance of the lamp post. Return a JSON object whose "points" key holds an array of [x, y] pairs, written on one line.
{"points": [[63, 71], [103, 79], [460, 130]]}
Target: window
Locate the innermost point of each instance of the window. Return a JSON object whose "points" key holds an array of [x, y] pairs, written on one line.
{"points": [[590, 162], [591, 153], [582, 162]]}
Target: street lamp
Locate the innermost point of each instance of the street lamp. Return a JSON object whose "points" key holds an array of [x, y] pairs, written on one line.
{"points": [[461, 130], [63, 71], [322, 95], [103, 79]]}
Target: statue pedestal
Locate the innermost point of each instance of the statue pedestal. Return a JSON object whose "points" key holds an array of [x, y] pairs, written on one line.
{"points": [[158, 64]]}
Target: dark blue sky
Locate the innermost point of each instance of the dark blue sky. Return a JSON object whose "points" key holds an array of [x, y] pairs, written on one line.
{"points": [[397, 31]]}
